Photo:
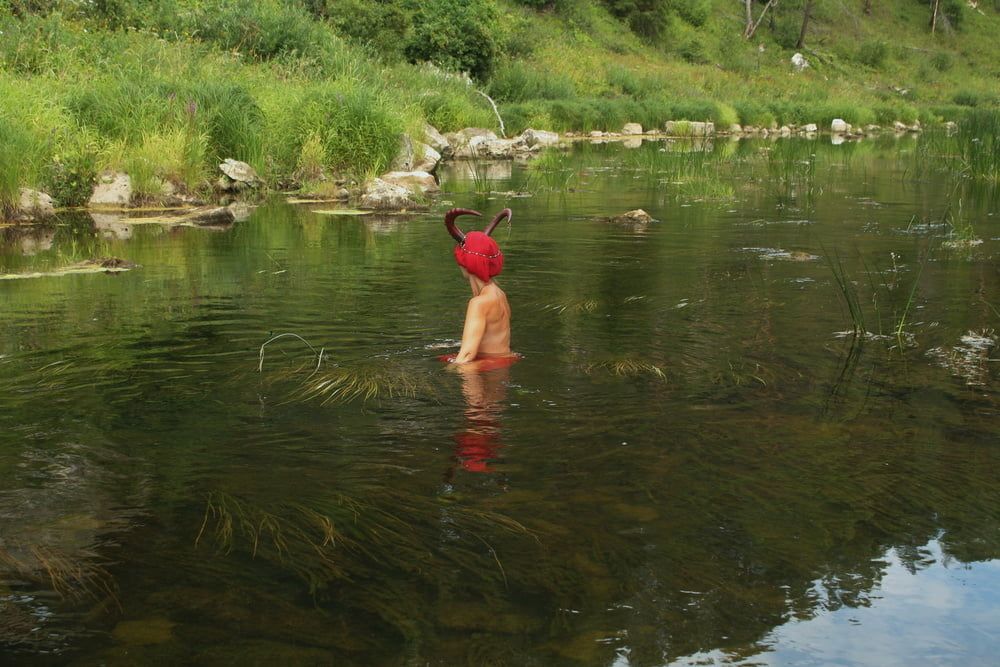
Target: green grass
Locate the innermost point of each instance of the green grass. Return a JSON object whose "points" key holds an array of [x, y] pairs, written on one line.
{"points": [[168, 88]]}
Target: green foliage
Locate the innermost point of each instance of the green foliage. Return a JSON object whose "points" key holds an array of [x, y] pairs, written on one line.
{"points": [[517, 82], [382, 26], [873, 53], [695, 12], [693, 50], [942, 61], [459, 35], [973, 98]]}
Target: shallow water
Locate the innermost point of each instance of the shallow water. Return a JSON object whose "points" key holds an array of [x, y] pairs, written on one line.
{"points": [[691, 464]]}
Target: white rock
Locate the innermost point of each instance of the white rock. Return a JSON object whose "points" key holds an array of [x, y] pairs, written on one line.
{"points": [[428, 160], [735, 128], [435, 139], [534, 137], [413, 181], [899, 127], [785, 131], [810, 127], [240, 172], [33, 204], [632, 129], [840, 126], [799, 62], [386, 196], [112, 190]]}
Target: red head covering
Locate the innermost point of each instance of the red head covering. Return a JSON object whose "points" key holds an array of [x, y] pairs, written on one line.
{"points": [[476, 252], [479, 255]]}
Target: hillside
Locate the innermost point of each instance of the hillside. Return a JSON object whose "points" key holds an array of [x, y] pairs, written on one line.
{"points": [[309, 90]]}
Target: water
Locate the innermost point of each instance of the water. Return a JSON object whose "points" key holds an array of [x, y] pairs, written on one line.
{"points": [[691, 464]]}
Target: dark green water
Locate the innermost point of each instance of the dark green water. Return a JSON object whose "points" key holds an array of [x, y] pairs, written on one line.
{"points": [[689, 464]]}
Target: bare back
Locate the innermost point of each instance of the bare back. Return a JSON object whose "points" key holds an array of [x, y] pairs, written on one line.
{"points": [[487, 325]]}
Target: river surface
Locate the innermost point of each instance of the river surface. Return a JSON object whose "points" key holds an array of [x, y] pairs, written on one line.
{"points": [[695, 462]]}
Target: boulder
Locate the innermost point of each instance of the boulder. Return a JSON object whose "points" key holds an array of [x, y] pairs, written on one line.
{"points": [[810, 128], [735, 128], [840, 126], [951, 126], [240, 172], [382, 196], [899, 127], [436, 140], [466, 143], [799, 62], [632, 129], [872, 129], [112, 225], [636, 217], [534, 138], [113, 190], [211, 216], [596, 134], [688, 128], [413, 181], [415, 156], [34, 205]]}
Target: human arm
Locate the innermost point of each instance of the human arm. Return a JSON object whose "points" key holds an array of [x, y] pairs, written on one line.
{"points": [[472, 334]]}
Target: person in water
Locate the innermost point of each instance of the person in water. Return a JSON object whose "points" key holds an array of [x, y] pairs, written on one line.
{"points": [[486, 334]]}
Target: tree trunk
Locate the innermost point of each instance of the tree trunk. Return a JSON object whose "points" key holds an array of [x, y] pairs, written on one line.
{"points": [[749, 7], [934, 14], [751, 29], [805, 24]]}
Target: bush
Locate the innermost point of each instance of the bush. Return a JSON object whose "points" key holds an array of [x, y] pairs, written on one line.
{"points": [[941, 61], [695, 12], [692, 50], [517, 82], [755, 114], [971, 98], [382, 26], [459, 35], [873, 53]]}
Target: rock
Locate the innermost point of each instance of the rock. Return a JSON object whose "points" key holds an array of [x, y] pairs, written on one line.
{"points": [[736, 128], [415, 156], [343, 193], [502, 148], [114, 263], [383, 196], [652, 132], [915, 127], [112, 225], [799, 62], [113, 190], [222, 215], [632, 142], [785, 131], [899, 127], [428, 158], [596, 134], [839, 126], [413, 181], [240, 172], [34, 205], [241, 211], [534, 138], [689, 128], [872, 129], [636, 217], [632, 129], [810, 127], [436, 140]]}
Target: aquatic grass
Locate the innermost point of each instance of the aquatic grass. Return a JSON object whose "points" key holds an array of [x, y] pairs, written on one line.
{"points": [[627, 367], [74, 577], [335, 536], [369, 380], [577, 307], [847, 292]]}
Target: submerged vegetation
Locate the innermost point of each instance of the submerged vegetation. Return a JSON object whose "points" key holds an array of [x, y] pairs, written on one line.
{"points": [[311, 88]]}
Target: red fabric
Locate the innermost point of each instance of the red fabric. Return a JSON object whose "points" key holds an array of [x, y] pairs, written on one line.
{"points": [[476, 450], [480, 255], [485, 363]]}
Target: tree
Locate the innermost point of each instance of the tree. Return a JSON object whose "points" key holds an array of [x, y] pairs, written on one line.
{"points": [[806, 11]]}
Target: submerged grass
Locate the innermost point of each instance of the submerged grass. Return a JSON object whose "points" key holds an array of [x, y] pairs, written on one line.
{"points": [[74, 577]]}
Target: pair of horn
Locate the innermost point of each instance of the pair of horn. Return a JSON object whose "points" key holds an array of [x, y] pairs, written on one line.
{"points": [[458, 234]]}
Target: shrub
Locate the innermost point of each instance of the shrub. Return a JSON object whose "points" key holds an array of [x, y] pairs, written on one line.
{"points": [[695, 12], [971, 98], [941, 61], [873, 53], [692, 50], [755, 114], [383, 26], [517, 82], [459, 35]]}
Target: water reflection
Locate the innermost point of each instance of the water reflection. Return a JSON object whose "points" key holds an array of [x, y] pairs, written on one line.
{"points": [[479, 443]]}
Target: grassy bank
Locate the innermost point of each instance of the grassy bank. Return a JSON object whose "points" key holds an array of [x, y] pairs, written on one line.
{"points": [[302, 90]]}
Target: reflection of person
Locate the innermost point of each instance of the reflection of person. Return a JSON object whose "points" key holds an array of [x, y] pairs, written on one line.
{"points": [[479, 443], [487, 318]]}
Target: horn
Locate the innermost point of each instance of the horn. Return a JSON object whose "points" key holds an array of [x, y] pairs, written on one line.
{"points": [[449, 222], [506, 213]]}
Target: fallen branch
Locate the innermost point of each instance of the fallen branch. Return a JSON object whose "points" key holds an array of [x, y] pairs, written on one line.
{"points": [[260, 366], [496, 111]]}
